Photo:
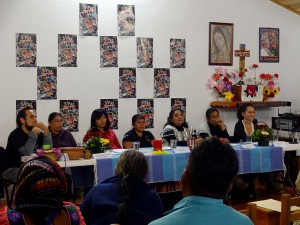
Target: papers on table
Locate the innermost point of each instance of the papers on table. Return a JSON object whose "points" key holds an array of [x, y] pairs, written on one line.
{"points": [[181, 149], [279, 144], [250, 145], [102, 155], [272, 204]]}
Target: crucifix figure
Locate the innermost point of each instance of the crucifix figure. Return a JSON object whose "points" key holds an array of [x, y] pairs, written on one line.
{"points": [[242, 53]]}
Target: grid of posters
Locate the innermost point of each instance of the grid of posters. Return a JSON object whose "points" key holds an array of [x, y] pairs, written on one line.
{"points": [[178, 103], [127, 82], [88, 19], [144, 52], [69, 109], [177, 53], [108, 51], [21, 104], [111, 107], [25, 50], [146, 108], [67, 50], [46, 82], [126, 20], [161, 83]]}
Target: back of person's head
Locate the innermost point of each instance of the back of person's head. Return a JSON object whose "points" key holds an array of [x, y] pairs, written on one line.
{"points": [[210, 111], [40, 188], [171, 113], [53, 115], [137, 117], [242, 108], [22, 114], [132, 167], [96, 114], [211, 168]]}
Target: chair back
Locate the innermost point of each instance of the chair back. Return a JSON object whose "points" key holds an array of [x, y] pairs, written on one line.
{"points": [[250, 211], [169, 199], [288, 214]]}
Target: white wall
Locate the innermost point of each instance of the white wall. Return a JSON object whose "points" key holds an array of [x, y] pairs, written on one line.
{"points": [[159, 19]]}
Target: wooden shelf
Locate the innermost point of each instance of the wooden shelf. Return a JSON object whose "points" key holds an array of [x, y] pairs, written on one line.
{"points": [[263, 104]]}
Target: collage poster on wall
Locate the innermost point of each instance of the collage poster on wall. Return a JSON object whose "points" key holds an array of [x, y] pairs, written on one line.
{"points": [[178, 103], [146, 108], [268, 44], [126, 20], [21, 104], [88, 19], [161, 83], [111, 108], [144, 52], [46, 82], [127, 82], [67, 50], [69, 109], [177, 53], [25, 50], [108, 51]]}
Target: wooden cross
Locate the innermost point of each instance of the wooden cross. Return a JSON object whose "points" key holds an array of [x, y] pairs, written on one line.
{"points": [[242, 53]]}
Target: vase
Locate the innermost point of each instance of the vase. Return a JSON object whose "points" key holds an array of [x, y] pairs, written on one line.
{"points": [[263, 142], [237, 91], [87, 154]]}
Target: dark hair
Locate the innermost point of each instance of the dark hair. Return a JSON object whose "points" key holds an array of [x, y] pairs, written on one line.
{"points": [[242, 108], [211, 168], [137, 117], [97, 113], [22, 114], [210, 111], [171, 113], [132, 166], [53, 115]]}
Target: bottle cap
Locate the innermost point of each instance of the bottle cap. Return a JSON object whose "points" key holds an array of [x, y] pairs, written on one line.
{"points": [[46, 147]]}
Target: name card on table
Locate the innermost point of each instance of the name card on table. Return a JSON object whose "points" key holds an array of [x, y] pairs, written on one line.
{"points": [[104, 155], [279, 143], [181, 150]]}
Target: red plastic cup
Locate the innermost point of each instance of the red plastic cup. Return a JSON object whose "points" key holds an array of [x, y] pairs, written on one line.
{"points": [[157, 144]]}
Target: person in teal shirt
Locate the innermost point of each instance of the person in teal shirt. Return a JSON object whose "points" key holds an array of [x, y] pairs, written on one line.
{"points": [[206, 181]]}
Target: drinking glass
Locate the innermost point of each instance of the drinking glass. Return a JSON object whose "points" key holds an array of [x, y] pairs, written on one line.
{"points": [[173, 143], [136, 145], [249, 138]]}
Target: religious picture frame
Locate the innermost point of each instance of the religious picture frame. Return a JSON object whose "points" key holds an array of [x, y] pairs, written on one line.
{"points": [[220, 44], [269, 45]]}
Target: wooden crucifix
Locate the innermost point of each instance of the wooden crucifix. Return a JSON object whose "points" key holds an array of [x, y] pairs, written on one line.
{"points": [[242, 53]]}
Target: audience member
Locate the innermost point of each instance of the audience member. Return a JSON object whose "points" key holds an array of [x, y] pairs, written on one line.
{"points": [[100, 126], [138, 133], [39, 196], [214, 125], [125, 198], [208, 177], [23, 141], [177, 128]]}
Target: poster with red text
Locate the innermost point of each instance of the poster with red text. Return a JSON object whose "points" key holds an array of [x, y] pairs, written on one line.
{"points": [[21, 104], [144, 52], [88, 19], [146, 108], [108, 51], [161, 83], [127, 82], [111, 108], [67, 50], [46, 82], [178, 103], [25, 50], [126, 20], [177, 53], [69, 109]]}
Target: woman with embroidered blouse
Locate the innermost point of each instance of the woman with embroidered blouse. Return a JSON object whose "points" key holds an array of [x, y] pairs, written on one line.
{"points": [[177, 128]]}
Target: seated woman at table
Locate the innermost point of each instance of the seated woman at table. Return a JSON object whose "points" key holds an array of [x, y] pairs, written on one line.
{"points": [[124, 198], [177, 128], [39, 196], [214, 125], [138, 133], [100, 126]]}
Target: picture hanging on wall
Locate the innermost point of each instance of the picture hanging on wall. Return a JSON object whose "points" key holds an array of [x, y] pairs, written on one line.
{"points": [[46, 82], [178, 103], [88, 19], [21, 104], [146, 108], [268, 45], [144, 52], [67, 50], [220, 43], [111, 108], [161, 83], [127, 82], [108, 51], [126, 20], [69, 109], [177, 53], [26, 50]]}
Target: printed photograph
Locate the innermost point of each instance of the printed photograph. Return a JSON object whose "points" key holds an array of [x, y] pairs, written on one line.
{"points": [[111, 108], [21, 104], [88, 19], [161, 83], [46, 82], [25, 50], [127, 83], [177, 53], [144, 52], [178, 103], [268, 45], [69, 109], [126, 20], [67, 50], [146, 108], [108, 51]]}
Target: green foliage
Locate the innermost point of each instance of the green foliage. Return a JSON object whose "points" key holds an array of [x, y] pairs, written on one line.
{"points": [[265, 133], [97, 144]]}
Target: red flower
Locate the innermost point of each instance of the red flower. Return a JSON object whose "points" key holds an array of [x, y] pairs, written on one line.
{"points": [[254, 66], [262, 76], [276, 75], [225, 79], [268, 77], [216, 76], [241, 74]]}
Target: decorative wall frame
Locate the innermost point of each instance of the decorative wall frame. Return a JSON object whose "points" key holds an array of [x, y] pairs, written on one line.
{"points": [[268, 44]]}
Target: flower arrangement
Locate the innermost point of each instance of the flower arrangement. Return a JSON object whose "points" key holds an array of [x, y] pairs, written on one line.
{"points": [[220, 81], [270, 83], [97, 144], [265, 133]]}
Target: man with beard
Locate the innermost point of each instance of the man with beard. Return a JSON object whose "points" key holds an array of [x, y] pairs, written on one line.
{"points": [[23, 141]]}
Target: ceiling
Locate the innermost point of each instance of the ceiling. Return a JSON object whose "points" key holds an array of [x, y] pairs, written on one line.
{"points": [[292, 5]]}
